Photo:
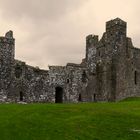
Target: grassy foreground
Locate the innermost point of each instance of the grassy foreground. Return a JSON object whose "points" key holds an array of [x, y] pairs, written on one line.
{"points": [[91, 121]]}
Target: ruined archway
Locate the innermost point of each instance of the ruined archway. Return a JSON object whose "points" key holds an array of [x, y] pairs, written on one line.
{"points": [[58, 95]]}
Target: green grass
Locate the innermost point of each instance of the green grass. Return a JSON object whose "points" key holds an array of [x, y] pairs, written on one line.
{"points": [[87, 121], [131, 99]]}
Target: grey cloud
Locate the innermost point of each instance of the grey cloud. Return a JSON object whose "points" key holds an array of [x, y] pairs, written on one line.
{"points": [[38, 9], [53, 31], [45, 26]]}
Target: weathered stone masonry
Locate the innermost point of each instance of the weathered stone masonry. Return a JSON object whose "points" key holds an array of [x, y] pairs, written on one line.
{"points": [[109, 72]]}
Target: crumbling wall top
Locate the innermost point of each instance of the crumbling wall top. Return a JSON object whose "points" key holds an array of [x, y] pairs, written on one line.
{"points": [[91, 40], [9, 34], [8, 38], [114, 22], [116, 27]]}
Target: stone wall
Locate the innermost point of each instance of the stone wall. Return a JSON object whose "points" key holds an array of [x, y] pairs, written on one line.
{"points": [[31, 83]]}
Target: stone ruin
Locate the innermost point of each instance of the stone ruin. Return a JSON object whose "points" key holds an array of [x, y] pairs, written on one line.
{"points": [[110, 71]]}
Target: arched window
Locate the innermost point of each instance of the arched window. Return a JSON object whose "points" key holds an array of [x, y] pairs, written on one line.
{"points": [[68, 81], [84, 77]]}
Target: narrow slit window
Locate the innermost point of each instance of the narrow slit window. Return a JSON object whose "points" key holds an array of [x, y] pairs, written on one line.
{"points": [[80, 98], [135, 77], [21, 96], [99, 53], [94, 97]]}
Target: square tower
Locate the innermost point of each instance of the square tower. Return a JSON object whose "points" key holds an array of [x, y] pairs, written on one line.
{"points": [[116, 27]]}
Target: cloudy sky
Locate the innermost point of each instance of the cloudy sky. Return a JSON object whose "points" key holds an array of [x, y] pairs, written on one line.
{"points": [[52, 32]]}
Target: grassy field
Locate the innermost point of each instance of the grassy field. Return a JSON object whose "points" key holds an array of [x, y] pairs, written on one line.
{"points": [[87, 121]]}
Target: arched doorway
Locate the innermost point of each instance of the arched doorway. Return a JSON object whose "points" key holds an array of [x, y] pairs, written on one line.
{"points": [[80, 98], [21, 96], [94, 97], [58, 95]]}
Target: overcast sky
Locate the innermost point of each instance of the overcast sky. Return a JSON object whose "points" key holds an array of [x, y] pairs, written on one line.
{"points": [[52, 32]]}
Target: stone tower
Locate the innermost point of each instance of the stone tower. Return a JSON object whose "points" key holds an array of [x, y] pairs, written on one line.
{"points": [[91, 44], [7, 52], [111, 61]]}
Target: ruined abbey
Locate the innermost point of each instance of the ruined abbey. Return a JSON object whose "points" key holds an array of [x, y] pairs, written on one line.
{"points": [[110, 71]]}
